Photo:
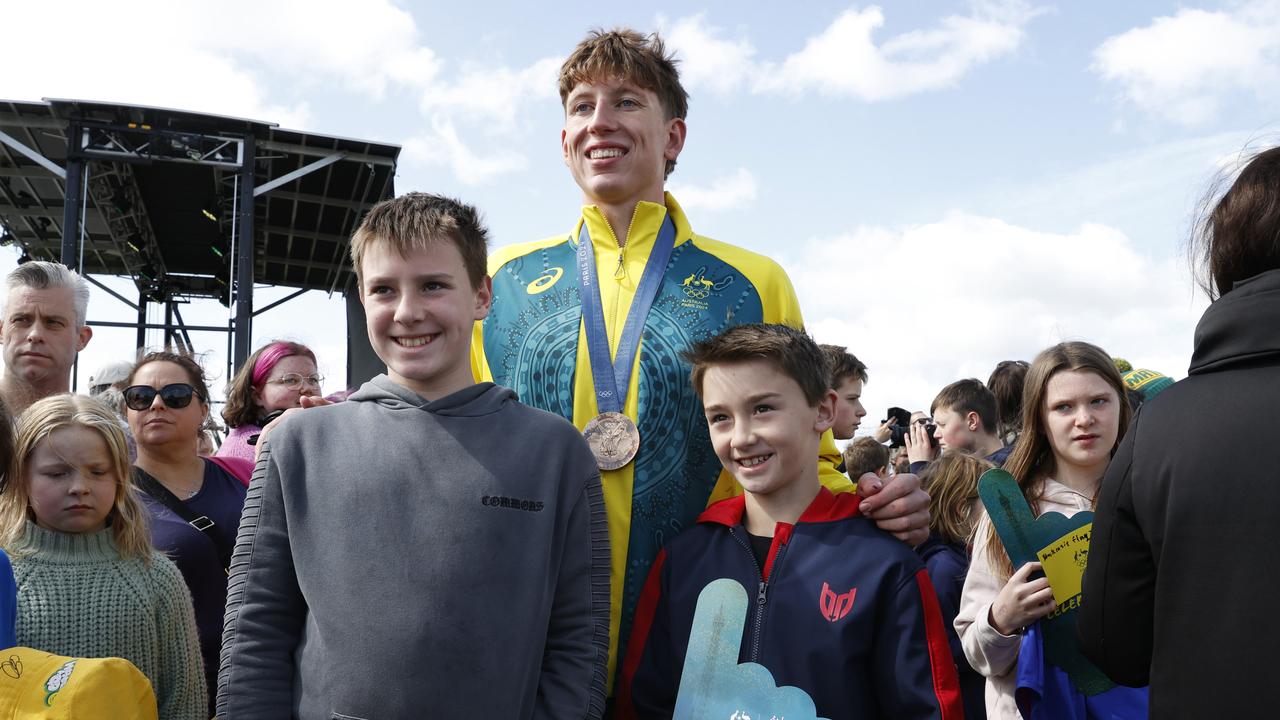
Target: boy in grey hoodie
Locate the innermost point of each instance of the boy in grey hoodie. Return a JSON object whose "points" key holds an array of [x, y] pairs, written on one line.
{"points": [[431, 547]]}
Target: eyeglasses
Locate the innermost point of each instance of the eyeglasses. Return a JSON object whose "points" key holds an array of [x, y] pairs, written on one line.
{"points": [[293, 381], [175, 396]]}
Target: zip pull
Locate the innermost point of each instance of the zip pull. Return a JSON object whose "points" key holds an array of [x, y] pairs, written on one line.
{"points": [[617, 272], [760, 596]]}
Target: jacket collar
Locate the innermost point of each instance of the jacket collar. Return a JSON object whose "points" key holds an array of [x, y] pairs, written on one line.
{"points": [[645, 223], [826, 507], [1240, 326]]}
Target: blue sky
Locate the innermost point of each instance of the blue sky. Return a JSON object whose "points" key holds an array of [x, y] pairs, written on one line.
{"points": [[949, 184]]}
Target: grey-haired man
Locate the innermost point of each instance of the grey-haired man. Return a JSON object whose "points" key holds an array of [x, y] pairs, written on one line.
{"points": [[43, 327]]}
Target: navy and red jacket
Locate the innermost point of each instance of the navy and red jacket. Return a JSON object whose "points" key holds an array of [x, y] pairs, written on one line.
{"points": [[841, 610]]}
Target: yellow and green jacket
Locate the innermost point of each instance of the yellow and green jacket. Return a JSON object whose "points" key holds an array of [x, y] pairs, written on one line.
{"points": [[533, 342]]}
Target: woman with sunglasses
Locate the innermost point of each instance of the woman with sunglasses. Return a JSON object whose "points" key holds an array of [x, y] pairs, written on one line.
{"points": [[275, 378], [193, 502]]}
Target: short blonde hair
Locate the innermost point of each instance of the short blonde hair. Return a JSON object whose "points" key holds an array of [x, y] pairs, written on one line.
{"points": [[952, 484], [415, 221], [128, 517]]}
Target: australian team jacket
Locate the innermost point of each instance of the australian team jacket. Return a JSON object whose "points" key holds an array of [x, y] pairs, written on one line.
{"points": [[840, 610]]}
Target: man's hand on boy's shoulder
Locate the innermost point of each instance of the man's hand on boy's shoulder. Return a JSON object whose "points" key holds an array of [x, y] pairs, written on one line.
{"points": [[898, 505], [307, 401]]}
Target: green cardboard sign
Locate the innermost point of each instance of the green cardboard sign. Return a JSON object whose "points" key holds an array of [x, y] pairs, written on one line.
{"points": [[1060, 544]]}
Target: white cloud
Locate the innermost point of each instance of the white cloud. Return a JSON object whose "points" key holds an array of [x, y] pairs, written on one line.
{"points": [[925, 305], [724, 193], [441, 145], [188, 55], [707, 60], [1183, 67], [845, 60], [191, 56], [498, 96]]}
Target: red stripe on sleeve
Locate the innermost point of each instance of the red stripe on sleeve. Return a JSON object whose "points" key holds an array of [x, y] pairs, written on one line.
{"points": [[645, 608], [946, 684]]}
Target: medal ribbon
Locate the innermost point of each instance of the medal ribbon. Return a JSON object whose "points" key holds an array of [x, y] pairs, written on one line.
{"points": [[612, 378]]}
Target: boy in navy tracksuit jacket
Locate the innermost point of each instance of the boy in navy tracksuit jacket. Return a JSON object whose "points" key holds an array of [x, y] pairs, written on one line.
{"points": [[840, 609]]}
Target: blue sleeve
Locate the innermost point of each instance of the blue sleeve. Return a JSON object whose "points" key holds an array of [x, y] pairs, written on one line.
{"points": [[915, 674], [947, 569], [8, 604]]}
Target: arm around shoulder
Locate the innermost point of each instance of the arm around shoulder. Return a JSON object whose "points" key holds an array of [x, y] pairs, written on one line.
{"points": [[265, 609], [1116, 620]]}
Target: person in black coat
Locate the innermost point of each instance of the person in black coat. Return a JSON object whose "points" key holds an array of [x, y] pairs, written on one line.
{"points": [[1181, 584]]}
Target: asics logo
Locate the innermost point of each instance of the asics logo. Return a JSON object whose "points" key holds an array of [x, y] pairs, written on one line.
{"points": [[544, 282]]}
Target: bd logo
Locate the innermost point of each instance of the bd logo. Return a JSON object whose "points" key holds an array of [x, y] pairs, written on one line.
{"points": [[833, 606]]}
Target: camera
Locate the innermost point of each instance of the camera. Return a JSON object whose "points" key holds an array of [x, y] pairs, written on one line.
{"points": [[901, 420]]}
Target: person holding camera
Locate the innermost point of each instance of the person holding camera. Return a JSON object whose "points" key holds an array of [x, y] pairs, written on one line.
{"points": [[967, 421], [914, 433]]}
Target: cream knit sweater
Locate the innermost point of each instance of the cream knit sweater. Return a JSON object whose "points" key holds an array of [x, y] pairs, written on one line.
{"points": [[78, 597]]}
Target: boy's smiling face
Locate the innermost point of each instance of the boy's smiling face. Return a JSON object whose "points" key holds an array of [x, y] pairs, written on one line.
{"points": [[420, 309], [763, 428]]}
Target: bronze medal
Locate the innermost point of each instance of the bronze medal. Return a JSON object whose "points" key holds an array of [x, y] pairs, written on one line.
{"points": [[614, 439]]}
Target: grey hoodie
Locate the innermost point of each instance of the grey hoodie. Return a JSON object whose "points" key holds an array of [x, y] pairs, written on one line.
{"points": [[404, 558]]}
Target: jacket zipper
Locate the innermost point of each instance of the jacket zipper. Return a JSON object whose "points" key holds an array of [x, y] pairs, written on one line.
{"points": [[762, 594], [619, 271]]}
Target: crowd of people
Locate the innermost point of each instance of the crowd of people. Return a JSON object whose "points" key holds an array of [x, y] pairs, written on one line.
{"points": [[575, 436]]}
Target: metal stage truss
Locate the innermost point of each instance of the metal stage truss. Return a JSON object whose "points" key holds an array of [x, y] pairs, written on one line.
{"points": [[188, 205]]}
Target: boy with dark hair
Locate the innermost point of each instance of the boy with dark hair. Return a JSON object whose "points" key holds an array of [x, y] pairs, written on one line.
{"points": [[384, 538], [967, 421], [848, 375], [842, 610], [865, 455]]}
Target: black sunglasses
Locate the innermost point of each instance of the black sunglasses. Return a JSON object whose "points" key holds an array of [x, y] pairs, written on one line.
{"points": [[177, 395]]}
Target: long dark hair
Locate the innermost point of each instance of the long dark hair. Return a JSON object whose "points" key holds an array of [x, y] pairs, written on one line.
{"points": [[1240, 236]]}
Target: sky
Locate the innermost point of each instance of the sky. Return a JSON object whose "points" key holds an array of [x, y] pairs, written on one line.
{"points": [[948, 184]]}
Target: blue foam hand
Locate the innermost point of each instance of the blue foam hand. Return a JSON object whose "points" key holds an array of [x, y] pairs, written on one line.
{"points": [[713, 684]]}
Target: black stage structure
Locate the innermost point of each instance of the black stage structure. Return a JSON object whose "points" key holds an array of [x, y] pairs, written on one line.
{"points": [[190, 205]]}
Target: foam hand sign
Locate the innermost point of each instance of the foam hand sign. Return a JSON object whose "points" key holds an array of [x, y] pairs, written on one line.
{"points": [[1061, 545], [713, 684]]}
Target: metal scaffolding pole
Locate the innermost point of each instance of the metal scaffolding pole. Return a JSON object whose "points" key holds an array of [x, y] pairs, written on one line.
{"points": [[71, 205], [244, 255]]}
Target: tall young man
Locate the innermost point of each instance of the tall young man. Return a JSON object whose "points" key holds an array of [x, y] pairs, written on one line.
{"points": [[590, 325]]}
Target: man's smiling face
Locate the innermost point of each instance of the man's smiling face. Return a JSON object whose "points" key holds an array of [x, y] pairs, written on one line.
{"points": [[617, 140]]}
